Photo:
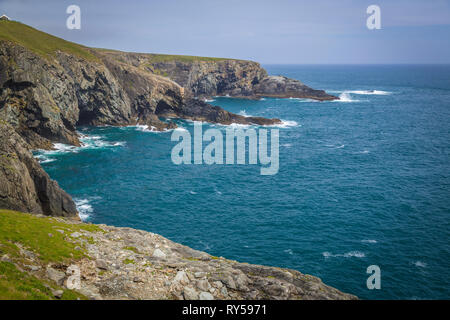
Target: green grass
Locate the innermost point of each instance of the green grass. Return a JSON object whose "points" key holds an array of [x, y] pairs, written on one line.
{"points": [[133, 249], [128, 261], [155, 58], [40, 42], [33, 234], [18, 285]]}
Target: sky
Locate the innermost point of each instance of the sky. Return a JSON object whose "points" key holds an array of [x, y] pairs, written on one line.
{"points": [[267, 31]]}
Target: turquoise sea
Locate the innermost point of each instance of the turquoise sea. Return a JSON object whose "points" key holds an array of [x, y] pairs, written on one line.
{"points": [[362, 181]]}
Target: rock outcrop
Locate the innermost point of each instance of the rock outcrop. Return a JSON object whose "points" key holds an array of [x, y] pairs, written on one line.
{"points": [[48, 87], [45, 94], [208, 77], [283, 87], [24, 185], [123, 263]]}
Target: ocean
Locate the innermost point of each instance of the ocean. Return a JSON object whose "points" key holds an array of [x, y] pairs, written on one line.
{"points": [[362, 181]]}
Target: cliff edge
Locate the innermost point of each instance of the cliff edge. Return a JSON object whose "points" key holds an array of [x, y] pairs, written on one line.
{"points": [[49, 255]]}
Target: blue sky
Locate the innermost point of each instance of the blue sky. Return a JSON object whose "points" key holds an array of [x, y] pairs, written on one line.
{"points": [[268, 31]]}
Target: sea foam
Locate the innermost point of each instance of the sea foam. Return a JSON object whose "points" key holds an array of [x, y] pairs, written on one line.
{"points": [[84, 208]]}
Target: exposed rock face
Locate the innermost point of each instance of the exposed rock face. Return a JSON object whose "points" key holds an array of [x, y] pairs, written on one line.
{"points": [[24, 185], [124, 263], [207, 77], [198, 110], [43, 99], [282, 87]]}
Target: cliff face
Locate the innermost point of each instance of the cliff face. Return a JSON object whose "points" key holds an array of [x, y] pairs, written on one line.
{"points": [[24, 185], [207, 77], [49, 86]]}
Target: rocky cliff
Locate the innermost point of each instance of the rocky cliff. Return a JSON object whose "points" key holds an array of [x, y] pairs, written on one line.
{"points": [[49, 86], [24, 185], [122, 263], [208, 77]]}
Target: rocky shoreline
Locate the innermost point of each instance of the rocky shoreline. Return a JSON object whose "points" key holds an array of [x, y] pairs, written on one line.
{"points": [[124, 263], [49, 86]]}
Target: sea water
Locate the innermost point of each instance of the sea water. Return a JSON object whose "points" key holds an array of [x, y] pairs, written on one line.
{"points": [[362, 181]]}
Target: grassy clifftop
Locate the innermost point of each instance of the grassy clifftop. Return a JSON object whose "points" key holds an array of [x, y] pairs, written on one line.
{"points": [[40, 42], [28, 242], [46, 45]]}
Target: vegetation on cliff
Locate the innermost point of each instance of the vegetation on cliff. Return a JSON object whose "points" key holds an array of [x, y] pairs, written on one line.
{"points": [[38, 255], [40, 42], [30, 243]]}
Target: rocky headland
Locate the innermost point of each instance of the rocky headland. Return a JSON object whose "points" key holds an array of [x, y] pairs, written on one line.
{"points": [[48, 87], [124, 263]]}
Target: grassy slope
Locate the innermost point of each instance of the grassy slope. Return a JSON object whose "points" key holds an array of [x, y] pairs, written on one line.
{"points": [[40, 42], [46, 45], [157, 58], [32, 233]]}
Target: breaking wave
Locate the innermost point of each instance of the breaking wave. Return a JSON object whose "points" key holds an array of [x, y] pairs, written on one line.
{"points": [[351, 254], [87, 142], [84, 208]]}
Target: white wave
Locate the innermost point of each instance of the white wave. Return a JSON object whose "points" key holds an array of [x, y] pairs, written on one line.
{"points": [[244, 113], [345, 97], [363, 152], [192, 192], [87, 142], [284, 124], [351, 254], [371, 92], [96, 142], [287, 145], [237, 125], [209, 100], [340, 146], [146, 128], [84, 208], [420, 264], [369, 241], [289, 251], [44, 159]]}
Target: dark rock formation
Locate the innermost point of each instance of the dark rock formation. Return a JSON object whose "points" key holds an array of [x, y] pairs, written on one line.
{"points": [[24, 185], [282, 87], [197, 110], [207, 77], [45, 95]]}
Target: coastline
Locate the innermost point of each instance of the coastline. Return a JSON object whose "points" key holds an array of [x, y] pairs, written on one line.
{"points": [[124, 263]]}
